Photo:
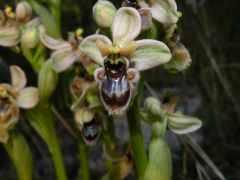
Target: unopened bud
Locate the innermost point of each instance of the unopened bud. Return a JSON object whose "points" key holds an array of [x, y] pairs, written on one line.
{"points": [[30, 37], [23, 11], [180, 61], [47, 81], [104, 13], [152, 105]]}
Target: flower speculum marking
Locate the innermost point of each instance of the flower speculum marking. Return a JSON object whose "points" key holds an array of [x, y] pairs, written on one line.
{"points": [[115, 88]]}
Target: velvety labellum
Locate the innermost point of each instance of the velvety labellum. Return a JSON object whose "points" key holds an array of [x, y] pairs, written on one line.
{"points": [[115, 89], [90, 131]]}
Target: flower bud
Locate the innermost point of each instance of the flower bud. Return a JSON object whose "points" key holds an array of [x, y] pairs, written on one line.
{"points": [[152, 106], [181, 124], [30, 37], [180, 60], [47, 81], [104, 13], [23, 11]]}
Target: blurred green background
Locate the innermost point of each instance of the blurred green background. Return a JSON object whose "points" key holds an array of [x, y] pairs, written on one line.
{"points": [[211, 32]]}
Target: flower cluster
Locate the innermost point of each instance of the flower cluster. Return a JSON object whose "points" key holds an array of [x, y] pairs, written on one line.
{"points": [[11, 98]]}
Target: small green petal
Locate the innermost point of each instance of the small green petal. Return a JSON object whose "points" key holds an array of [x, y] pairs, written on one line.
{"points": [[19, 79], [28, 97], [89, 48], [181, 124], [149, 54], [126, 26]]}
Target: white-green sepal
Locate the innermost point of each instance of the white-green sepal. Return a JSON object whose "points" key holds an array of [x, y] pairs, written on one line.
{"points": [[62, 59], [9, 36], [149, 54], [89, 48], [18, 77], [165, 11], [28, 97], [181, 124], [126, 26]]}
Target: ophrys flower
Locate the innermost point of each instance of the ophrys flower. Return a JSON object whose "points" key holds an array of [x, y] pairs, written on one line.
{"points": [[12, 97], [122, 58]]}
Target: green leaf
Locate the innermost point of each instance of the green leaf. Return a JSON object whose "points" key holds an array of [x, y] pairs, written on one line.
{"points": [[47, 19]]}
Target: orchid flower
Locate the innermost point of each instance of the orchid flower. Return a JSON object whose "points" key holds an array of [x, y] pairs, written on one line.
{"points": [[122, 58], [16, 27], [13, 97]]}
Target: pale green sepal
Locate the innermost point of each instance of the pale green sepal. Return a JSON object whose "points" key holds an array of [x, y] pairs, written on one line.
{"points": [[89, 48], [9, 36], [47, 82], [126, 26], [21, 155], [181, 124], [104, 13], [28, 97], [63, 59], [165, 11], [149, 54], [18, 77], [52, 43]]}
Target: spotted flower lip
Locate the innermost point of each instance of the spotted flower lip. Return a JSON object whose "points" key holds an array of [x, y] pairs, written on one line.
{"points": [[127, 57], [13, 97]]}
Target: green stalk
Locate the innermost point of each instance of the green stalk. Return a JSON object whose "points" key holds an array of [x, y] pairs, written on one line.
{"points": [[41, 120], [20, 154], [136, 140], [84, 173], [55, 8]]}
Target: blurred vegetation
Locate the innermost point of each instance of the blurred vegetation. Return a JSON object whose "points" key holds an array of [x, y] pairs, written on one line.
{"points": [[210, 30]]}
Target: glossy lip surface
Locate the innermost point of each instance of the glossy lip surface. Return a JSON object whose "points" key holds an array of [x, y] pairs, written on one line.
{"points": [[115, 89]]}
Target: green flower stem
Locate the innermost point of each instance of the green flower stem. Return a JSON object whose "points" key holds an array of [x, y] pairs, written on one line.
{"points": [[55, 8], [20, 155], [136, 140], [41, 120], [84, 173]]}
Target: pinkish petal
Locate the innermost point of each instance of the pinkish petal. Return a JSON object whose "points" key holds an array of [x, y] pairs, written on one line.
{"points": [[28, 97], [18, 76]]}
